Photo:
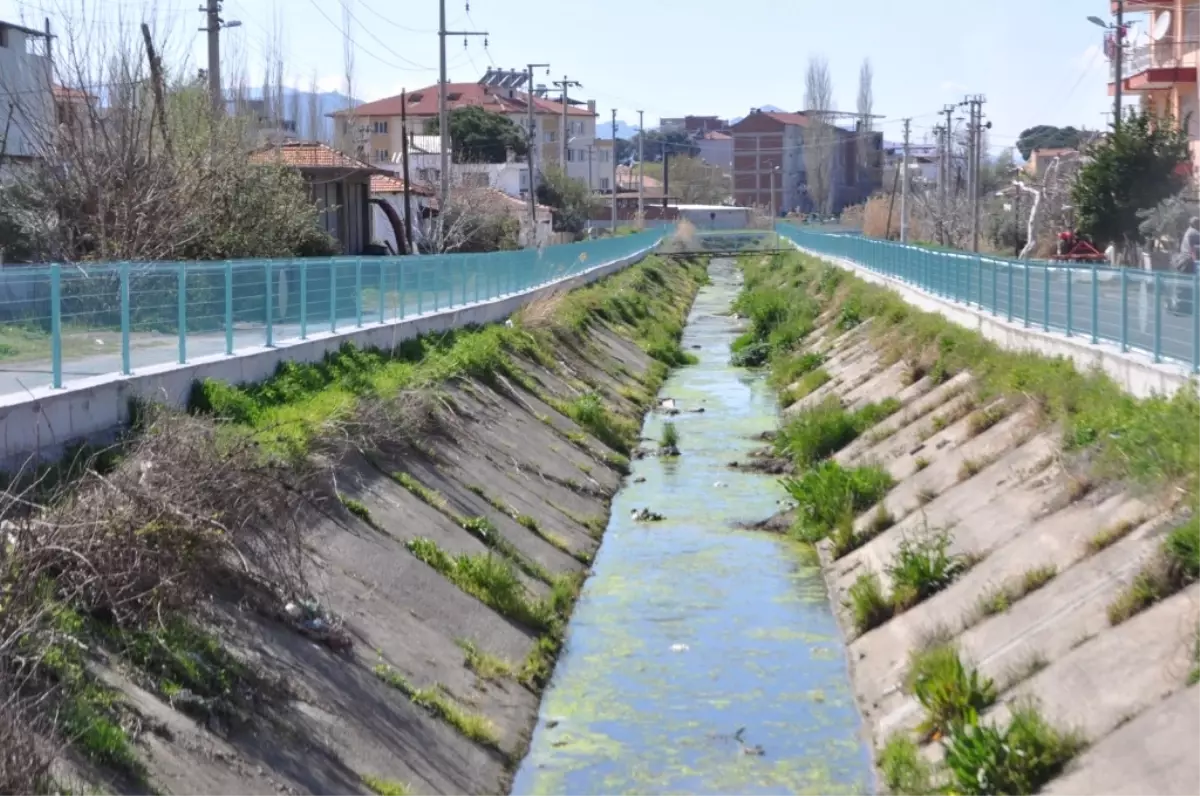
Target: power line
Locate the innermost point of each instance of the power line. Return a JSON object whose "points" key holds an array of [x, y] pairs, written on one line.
{"points": [[383, 61], [397, 25]]}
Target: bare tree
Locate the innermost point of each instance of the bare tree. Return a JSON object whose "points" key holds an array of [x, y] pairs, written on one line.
{"points": [[353, 140], [316, 125], [697, 182], [820, 136], [866, 103]]}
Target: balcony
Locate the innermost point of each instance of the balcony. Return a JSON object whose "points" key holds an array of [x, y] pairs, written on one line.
{"points": [[1137, 6], [1157, 65]]}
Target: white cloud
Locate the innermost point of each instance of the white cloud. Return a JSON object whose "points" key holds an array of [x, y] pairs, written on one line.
{"points": [[951, 86]]}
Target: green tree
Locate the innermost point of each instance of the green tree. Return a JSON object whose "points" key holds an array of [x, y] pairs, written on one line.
{"points": [[480, 136], [1047, 136], [1135, 168], [676, 142], [570, 200], [626, 150]]}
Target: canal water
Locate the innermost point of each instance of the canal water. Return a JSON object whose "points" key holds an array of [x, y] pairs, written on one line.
{"points": [[689, 630]]}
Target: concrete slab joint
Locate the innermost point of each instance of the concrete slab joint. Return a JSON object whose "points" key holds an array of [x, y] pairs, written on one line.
{"points": [[39, 424]]}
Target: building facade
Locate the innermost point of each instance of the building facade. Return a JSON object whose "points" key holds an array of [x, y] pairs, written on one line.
{"points": [[374, 127], [1160, 62], [27, 103]]}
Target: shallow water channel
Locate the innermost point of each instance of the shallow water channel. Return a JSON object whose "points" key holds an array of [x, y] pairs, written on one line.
{"points": [[689, 629]]}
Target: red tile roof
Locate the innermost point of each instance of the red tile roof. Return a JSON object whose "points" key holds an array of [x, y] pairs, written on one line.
{"points": [[786, 118], [309, 155], [62, 92], [424, 102], [386, 183], [715, 135]]}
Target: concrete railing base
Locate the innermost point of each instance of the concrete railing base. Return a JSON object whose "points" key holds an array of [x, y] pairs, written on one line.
{"points": [[1135, 372]]}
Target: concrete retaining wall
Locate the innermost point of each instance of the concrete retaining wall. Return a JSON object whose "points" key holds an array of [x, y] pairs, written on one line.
{"points": [[1135, 372], [38, 426]]}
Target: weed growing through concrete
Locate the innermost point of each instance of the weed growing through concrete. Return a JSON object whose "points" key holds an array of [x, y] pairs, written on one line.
{"points": [[385, 787], [589, 412], [923, 566], [868, 604], [1021, 758], [484, 664], [487, 577], [827, 493], [921, 463], [1111, 534], [984, 419], [926, 495], [1175, 565], [358, 509], [950, 691], [1002, 597], [818, 432], [474, 726], [904, 769], [1024, 669]]}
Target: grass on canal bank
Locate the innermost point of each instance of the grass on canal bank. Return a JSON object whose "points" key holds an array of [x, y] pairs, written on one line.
{"points": [[132, 550]]}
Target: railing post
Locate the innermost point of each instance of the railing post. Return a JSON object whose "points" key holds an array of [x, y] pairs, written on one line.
{"points": [[333, 265], [56, 325], [1095, 304], [1195, 322], [269, 271], [995, 289], [1045, 298], [438, 277], [400, 285], [420, 286], [126, 359], [1157, 316], [304, 298], [382, 289], [1010, 289], [182, 312], [1124, 311], [476, 277], [1070, 301], [1025, 300], [229, 308], [979, 281], [358, 296], [462, 281]]}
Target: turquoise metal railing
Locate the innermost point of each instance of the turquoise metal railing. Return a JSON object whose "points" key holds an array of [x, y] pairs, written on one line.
{"points": [[67, 321], [1150, 311]]}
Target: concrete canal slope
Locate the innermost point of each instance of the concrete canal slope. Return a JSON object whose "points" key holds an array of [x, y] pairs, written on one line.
{"points": [[689, 629], [428, 522], [1062, 571]]}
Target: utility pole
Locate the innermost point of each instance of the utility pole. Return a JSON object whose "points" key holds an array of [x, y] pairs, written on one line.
{"points": [[614, 171], [212, 14], [531, 154], [975, 154], [565, 84], [946, 162], [666, 174], [641, 168], [904, 185], [443, 110], [1118, 62], [412, 247]]}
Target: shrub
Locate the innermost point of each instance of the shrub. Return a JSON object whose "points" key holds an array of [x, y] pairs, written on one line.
{"points": [[869, 607], [904, 769], [589, 412], [670, 437], [949, 691], [922, 567], [827, 493], [819, 431], [1174, 565], [1021, 758]]}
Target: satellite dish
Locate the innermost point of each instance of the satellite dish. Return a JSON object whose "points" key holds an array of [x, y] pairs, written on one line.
{"points": [[1162, 26]]}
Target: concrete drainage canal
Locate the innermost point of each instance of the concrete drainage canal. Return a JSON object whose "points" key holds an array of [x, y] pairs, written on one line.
{"points": [[701, 658]]}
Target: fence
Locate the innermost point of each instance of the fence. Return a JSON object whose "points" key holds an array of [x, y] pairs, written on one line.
{"points": [[62, 321], [1151, 311]]}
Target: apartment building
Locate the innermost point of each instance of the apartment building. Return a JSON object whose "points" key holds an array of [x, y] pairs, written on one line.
{"points": [[375, 126], [770, 171], [1160, 60], [26, 93]]}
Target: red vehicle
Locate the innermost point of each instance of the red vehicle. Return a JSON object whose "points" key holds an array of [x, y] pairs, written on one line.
{"points": [[1074, 248]]}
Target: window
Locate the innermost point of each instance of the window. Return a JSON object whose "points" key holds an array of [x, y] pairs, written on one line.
{"points": [[382, 156], [576, 128], [571, 153], [551, 136], [3, 37], [604, 183], [604, 155], [380, 127], [524, 181]]}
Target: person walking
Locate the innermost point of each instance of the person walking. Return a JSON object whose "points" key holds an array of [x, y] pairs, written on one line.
{"points": [[1184, 263]]}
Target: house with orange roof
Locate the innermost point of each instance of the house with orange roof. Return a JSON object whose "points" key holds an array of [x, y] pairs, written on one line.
{"points": [[376, 125], [339, 185]]}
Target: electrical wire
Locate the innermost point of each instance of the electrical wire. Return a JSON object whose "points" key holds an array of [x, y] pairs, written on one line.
{"points": [[416, 66], [383, 61], [397, 25]]}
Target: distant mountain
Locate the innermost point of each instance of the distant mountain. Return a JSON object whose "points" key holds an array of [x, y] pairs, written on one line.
{"points": [[767, 108], [624, 130]]}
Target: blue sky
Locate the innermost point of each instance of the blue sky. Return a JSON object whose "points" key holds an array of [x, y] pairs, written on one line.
{"points": [[1037, 61]]}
